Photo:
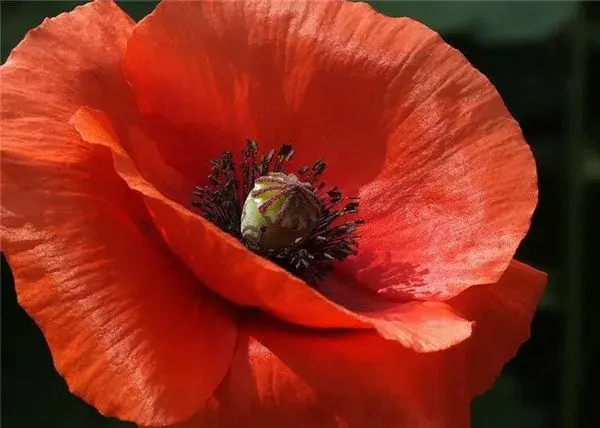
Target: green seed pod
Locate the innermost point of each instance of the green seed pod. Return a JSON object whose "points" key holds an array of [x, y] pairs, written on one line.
{"points": [[279, 212]]}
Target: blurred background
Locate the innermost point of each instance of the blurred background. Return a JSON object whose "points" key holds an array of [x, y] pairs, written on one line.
{"points": [[544, 58]]}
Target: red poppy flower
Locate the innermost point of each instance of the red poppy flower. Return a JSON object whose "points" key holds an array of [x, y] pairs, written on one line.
{"points": [[155, 315]]}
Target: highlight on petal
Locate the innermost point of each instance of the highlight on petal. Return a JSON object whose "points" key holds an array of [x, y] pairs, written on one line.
{"points": [[246, 279], [459, 187], [421, 326], [281, 376], [127, 324]]}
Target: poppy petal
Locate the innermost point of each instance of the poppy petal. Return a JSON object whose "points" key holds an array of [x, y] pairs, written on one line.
{"points": [[264, 70], [249, 280], [422, 326], [232, 270], [281, 376], [456, 196], [458, 223], [127, 324], [459, 185], [502, 313]]}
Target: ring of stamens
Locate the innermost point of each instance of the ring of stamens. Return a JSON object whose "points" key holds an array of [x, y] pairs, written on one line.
{"points": [[331, 239]]}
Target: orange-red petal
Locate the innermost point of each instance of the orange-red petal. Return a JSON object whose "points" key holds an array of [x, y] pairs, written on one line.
{"points": [[502, 313], [242, 277], [451, 211], [362, 91], [216, 258], [286, 377], [127, 324], [303, 72], [419, 325], [456, 195]]}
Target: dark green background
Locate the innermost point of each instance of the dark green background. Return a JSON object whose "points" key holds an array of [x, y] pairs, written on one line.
{"points": [[544, 59]]}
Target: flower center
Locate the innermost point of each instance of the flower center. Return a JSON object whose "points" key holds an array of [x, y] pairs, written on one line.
{"points": [[279, 212], [284, 217]]}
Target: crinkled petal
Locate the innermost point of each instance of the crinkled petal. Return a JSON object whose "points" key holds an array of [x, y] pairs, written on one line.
{"points": [[457, 220], [246, 279], [281, 376], [304, 72], [459, 187], [364, 92], [127, 324], [217, 259]]}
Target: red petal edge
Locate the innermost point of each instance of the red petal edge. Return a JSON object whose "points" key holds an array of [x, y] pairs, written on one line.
{"points": [[127, 324]]}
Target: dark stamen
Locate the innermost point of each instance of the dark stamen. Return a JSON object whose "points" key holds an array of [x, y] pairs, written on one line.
{"points": [[221, 202]]}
